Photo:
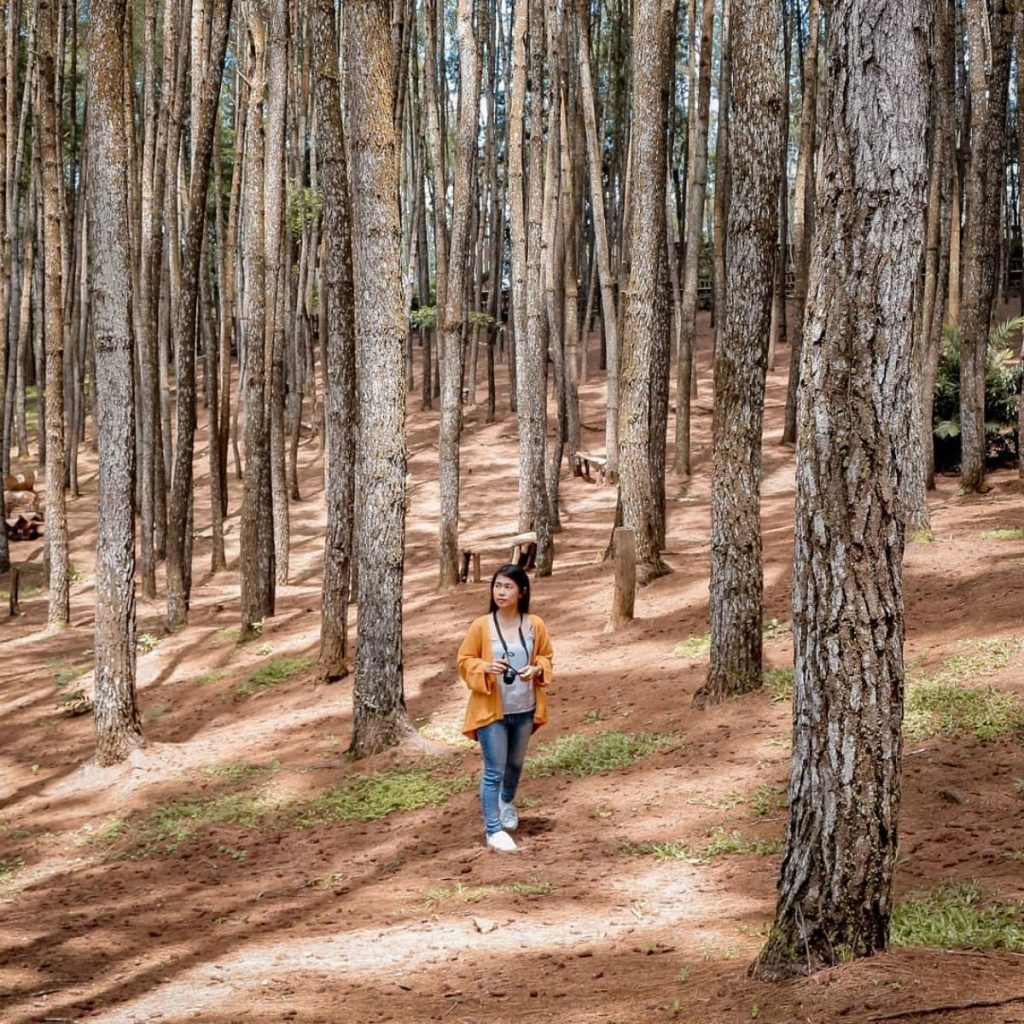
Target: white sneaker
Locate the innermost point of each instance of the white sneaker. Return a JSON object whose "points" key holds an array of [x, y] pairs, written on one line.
{"points": [[502, 842], [508, 815]]}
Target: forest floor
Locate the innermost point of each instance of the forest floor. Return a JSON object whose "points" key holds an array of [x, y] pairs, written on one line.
{"points": [[240, 869]]}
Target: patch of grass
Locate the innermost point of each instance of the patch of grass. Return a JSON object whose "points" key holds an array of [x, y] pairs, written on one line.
{"points": [[954, 914], [1017, 855], [779, 683], [768, 799], [1009, 534], [724, 803], [328, 881], [683, 974], [921, 537], [720, 843], [146, 642], [234, 774], [986, 713], [155, 714], [580, 756], [449, 733], [595, 715], [271, 674], [233, 853], [677, 850], [9, 867], [65, 672], [775, 630], [467, 894], [371, 797], [210, 677], [697, 646], [264, 649]]}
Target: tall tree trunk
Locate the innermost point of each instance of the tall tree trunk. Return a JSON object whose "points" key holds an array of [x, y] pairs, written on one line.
{"points": [[118, 727], [179, 570], [835, 889], [643, 318], [989, 39], [340, 364], [696, 187], [450, 317], [59, 613], [379, 718], [722, 153], [741, 358]]}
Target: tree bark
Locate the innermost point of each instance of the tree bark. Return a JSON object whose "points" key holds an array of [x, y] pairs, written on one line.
{"points": [[736, 588], [340, 363], [118, 727], [379, 718], [835, 889]]}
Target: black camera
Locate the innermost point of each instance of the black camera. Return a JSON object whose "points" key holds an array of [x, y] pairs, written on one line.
{"points": [[510, 675]]}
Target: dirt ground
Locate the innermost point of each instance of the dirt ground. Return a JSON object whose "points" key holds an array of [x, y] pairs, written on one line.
{"points": [[408, 918]]}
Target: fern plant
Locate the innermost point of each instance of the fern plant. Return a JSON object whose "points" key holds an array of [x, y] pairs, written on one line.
{"points": [[1002, 388]]}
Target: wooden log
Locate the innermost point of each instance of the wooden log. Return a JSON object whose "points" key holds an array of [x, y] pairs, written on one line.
{"points": [[624, 597], [15, 586]]}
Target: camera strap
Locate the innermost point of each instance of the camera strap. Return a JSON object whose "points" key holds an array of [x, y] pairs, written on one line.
{"points": [[522, 639]]}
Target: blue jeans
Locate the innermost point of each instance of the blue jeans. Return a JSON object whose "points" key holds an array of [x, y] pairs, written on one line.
{"points": [[503, 744]]}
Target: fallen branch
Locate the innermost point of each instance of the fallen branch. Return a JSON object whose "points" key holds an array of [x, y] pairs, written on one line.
{"points": [[948, 1008]]}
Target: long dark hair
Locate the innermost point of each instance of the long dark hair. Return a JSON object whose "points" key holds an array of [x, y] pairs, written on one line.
{"points": [[520, 579]]}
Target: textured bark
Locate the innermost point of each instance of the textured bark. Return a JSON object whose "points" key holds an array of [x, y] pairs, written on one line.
{"points": [[803, 212], [722, 150], [340, 365], [379, 718], [696, 188], [609, 316], [989, 38], [741, 358], [118, 727], [256, 539], [451, 316], [645, 298], [179, 572], [59, 612], [835, 890]]}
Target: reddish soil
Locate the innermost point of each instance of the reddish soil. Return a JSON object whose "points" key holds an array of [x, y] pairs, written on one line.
{"points": [[408, 918]]}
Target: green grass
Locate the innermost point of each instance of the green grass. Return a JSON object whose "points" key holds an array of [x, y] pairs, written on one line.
{"points": [[779, 683], [767, 800], [146, 642], [696, 647], [371, 797], [941, 709], [210, 677], [720, 843], [65, 672], [271, 674], [580, 756], [155, 714], [955, 914], [1014, 534], [9, 867], [234, 774]]}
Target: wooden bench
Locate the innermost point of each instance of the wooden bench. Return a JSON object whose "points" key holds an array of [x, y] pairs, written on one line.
{"points": [[25, 526], [705, 293], [586, 460], [523, 548]]}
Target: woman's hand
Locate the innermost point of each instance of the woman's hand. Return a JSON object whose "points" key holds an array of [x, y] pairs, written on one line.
{"points": [[532, 673], [496, 667]]}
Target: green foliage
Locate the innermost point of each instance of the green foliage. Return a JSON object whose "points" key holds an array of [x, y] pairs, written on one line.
{"points": [[371, 797], [146, 642], [720, 843], [65, 672], [954, 914], [305, 204], [8, 868], [1002, 386], [234, 774], [768, 799], [696, 647], [580, 756], [271, 674], [424, 317], [1009, 534], [210, 677]]}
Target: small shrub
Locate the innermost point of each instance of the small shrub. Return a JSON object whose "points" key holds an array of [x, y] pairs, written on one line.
{"points": [[271, 674], [779, 683], [580, 756], [146, 642], [954, 915]]}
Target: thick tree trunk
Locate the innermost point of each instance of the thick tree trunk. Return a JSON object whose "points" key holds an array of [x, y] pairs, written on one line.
{"points": [[339, 365], [118, 728], [835, 890], [644, 302], [379, 718], [741, 358], [989, 39]]}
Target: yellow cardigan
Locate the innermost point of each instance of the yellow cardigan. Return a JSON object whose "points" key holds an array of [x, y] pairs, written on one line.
{"points": [[484, 700]]}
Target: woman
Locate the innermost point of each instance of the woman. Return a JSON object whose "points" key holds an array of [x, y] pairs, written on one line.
{"points": [[505, 661]]}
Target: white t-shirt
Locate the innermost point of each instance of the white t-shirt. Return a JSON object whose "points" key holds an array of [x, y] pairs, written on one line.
{"points": [[517, 696]]}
